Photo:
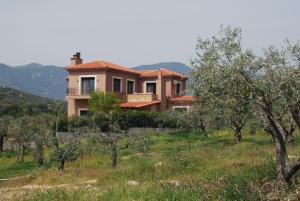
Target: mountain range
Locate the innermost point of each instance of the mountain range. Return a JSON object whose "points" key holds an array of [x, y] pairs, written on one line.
{"points": [[49, 80]]}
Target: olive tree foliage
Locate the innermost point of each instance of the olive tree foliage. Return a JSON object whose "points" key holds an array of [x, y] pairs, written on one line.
{"points": [[276, 87], [64, 152], [217, 82], [40, 127], [19, 131], [4, 125], [102, 105]]}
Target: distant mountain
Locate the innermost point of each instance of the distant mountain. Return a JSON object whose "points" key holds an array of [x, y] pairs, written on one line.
{"points": [[14, 101], [174, 66], [47, 81]]}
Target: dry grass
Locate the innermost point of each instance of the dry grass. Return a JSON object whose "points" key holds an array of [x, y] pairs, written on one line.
{"points": [[177, 167]]}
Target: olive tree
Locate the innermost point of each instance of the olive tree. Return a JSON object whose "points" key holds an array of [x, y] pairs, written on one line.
{"points": [[40, 128], [4, 125], [217, 82], [276, 85], [19, 131]]}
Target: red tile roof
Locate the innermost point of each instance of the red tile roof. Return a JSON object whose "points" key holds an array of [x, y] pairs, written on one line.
{"points": [[137, 104], [182, 99], [100, 64], [165, 72]]}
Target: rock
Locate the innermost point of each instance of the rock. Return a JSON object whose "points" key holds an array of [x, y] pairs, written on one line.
{"points": [[133, 183], [94, 181], [175, 183]]}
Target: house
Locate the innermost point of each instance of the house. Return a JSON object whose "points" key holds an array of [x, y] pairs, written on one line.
{"points": [[151, 90]]}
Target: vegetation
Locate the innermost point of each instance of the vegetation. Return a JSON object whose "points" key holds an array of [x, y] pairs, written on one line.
{"points": [[233, 81], [236, 91], [177, 166], [16, 103]]}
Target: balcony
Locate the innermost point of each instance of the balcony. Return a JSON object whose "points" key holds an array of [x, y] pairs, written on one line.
{"points": [[141, 97], [74, 92]]}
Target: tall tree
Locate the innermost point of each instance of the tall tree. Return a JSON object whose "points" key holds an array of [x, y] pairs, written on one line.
{"points": [[277, 91], [217, 80]]}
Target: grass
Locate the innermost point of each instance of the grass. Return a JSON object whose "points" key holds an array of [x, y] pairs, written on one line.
{"points": [[207, 168]]}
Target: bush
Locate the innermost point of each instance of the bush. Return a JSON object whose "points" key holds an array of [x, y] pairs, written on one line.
{"points": [[8, 154]]}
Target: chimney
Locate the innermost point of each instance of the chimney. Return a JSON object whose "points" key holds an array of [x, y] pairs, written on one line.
{"points": [[76, 59]]}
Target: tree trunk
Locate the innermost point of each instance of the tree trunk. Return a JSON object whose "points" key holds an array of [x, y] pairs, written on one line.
{"points": [[1, 143], [23, 153], [114, 153], [61, 165], [290, 138], [274, 128], [295, 111], [18, 153], [238, 135]]}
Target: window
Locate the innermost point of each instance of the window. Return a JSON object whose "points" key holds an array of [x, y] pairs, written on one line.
{"points": [[181, 108], [177, 89], [151, 88], [83, 112], [87, 85], [130, 86], [117, 84]]}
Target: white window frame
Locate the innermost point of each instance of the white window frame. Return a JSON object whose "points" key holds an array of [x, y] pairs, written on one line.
{"points": [[87, 76], [145, 86], [182, 106], [133, 85], [82, 109], [121, 83]]}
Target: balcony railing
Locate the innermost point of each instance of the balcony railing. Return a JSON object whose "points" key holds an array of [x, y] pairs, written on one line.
{"points": [[141, 97], [75, 91]]}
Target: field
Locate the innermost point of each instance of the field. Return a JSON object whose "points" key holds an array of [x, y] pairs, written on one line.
{"points": [[178, 166]]}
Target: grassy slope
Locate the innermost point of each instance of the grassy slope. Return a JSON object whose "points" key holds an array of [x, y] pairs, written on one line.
{"points": [[208, 168]]}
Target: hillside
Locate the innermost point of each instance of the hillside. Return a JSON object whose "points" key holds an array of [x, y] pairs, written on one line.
{"points": [[12, 100], [175, 66], [47, 81]]}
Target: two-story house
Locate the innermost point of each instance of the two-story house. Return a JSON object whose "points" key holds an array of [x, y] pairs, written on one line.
{"points": [[152, 90]]}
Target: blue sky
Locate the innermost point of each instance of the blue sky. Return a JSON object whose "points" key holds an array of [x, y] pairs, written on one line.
{"points": [[135, 32]]}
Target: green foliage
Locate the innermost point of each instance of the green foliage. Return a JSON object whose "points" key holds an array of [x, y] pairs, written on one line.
{"points": [[8, 154], [103, 102], [217, 77], [16, 103], [65, 153]]}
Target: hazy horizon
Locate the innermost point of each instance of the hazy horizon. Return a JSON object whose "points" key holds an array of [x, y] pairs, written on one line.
{"points": [[135, 32]]}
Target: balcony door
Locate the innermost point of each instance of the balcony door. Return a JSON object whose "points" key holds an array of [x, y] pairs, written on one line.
{"points": [[87, 85], [151, 87], [130, 86]]}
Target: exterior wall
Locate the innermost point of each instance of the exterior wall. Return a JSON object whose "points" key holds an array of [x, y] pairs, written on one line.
{"points": [[74, 105], [109, 82], [164, 88], [71, 107], [74, 79], [161, 93], [188, 105], [80, 104], [169, 84]]}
